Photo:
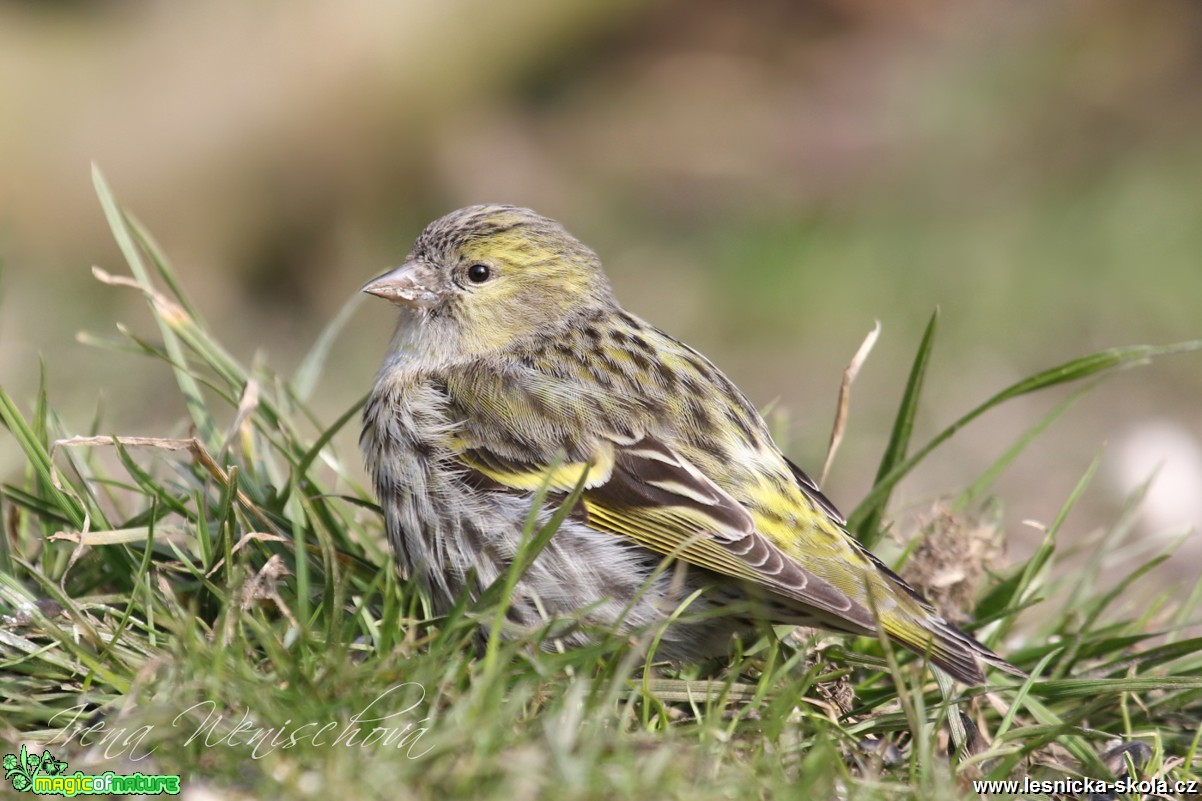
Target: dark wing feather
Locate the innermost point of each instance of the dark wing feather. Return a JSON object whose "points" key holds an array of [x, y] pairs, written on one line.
{"points": [[810, 488], [649, 493]]}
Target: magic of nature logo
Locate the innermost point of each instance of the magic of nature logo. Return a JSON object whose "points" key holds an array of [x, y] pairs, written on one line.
{"points": [[45, 775]]}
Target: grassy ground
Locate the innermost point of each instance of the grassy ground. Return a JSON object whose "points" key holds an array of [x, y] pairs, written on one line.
{"points": [[222, 606]]}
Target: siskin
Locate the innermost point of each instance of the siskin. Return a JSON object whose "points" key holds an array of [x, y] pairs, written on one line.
{"points": [[513, 368]]}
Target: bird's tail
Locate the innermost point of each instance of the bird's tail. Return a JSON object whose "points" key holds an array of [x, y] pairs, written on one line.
{"points": [[957, 653], [910, 620]]}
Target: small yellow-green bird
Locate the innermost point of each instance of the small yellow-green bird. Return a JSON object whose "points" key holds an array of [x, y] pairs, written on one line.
{"points": [[514, 367]]}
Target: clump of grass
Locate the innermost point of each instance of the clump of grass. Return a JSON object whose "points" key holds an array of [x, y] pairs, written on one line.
{"points": [[223, 606]]}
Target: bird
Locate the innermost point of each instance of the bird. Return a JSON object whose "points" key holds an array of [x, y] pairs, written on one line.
{"points": [[515, 381]]}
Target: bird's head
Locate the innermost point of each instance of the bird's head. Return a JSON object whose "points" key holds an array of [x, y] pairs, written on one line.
{"points": [[485, 277]]}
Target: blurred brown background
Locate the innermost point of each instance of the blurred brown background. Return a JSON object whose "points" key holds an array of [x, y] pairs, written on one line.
{"points": [[763, 180]]}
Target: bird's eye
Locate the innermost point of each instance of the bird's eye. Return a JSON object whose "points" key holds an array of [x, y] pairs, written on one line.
{"points": [[478, 273]]}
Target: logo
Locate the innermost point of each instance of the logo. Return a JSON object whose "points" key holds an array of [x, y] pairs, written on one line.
{"points": [[45, 775]]}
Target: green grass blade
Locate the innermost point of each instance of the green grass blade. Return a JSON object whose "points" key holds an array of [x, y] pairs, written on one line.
{"points": [[975, 491], [306, 461], [38, 456], [1020, 588], [1075, 370], [152, 250], [189, 387], [868, 529], [310, 368]]}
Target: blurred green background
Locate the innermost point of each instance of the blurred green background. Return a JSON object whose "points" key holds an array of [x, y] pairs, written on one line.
{"points": [[763, 180]]}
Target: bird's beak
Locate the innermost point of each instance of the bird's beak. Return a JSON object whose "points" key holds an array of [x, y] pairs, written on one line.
{"points": [[412, 284]]}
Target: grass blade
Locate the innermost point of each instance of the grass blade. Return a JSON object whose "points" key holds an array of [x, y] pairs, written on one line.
{"points": [[1075, 370], [868, 528], [189, 387]]}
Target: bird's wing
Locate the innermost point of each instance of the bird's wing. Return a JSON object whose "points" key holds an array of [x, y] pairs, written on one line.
{"points": [[518, 430], [646, 491]]}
